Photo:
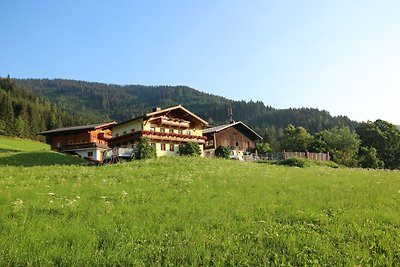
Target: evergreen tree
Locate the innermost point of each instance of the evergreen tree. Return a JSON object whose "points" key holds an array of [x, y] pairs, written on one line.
{"points": [[6, 115]]}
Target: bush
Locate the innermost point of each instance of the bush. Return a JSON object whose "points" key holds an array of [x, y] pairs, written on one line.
{"points": [[145, 150], [368, 158], [190, 149], [223, 152], [293, 162], [263, 148]]}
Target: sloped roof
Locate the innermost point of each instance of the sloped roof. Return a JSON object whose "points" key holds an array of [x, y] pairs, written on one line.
{"points": [[79, 128], [238, 125], [178, 110]]}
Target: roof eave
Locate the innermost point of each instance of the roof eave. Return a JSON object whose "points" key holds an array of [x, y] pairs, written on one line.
{"points": [[200, 120]]}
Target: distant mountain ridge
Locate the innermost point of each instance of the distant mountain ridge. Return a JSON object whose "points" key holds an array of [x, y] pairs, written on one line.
{"points": [[116, 102]]}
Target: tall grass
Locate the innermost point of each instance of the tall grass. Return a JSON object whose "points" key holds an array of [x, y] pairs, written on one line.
{"points": [[184, 211]]}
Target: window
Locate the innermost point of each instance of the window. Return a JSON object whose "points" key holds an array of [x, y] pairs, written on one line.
{"points": [[171, 147], [188, 133], [180, 132], [125, 132], [171, 130], [162, 130], [237, 143], [116, 135], [153, 145], [90, 154], [132, 130], [163, 147], [153, 129]]}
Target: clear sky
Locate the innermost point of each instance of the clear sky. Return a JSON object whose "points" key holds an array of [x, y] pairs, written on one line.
{"points": [[342, 56]]}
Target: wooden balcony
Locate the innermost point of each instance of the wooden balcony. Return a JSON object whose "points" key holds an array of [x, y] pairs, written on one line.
{"points": [[104, 136], [157, 136], [69, 147], [174, 123]]}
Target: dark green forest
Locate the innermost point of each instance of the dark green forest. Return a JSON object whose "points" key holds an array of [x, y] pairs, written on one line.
{"points": [[24, 114], [115, 102]]}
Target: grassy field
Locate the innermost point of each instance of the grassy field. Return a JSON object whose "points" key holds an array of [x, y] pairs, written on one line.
{"points": [[185, 211], [27, 153], [8, 144]]}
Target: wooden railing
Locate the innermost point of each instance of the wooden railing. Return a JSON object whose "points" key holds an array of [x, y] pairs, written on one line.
{"points": [[286, 155], [104, 136], [160, 136]]}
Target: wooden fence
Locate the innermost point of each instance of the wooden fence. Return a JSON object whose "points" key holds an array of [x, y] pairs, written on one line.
{"points": [[286, 155]]}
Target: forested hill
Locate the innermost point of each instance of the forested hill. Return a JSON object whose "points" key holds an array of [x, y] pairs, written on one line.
{"points": [[24, 114], [115, 102]]}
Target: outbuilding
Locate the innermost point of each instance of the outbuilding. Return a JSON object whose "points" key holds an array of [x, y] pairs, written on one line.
{"points": [[237, 136]]}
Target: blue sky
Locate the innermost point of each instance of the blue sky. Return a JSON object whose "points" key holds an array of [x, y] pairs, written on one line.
{"points": [[340, 56]]}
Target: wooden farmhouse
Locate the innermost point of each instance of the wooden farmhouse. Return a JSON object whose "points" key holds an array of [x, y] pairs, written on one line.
{"points": [[237, 136], [167, 129], [86, 140]]}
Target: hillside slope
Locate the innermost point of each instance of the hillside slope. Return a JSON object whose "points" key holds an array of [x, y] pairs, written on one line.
{"points": [[23, 113], [28, 153], [108, 101]]}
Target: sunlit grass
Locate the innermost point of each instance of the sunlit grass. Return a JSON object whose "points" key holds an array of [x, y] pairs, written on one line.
{"points": [[194, 211], [24, 152], [11, 144]]}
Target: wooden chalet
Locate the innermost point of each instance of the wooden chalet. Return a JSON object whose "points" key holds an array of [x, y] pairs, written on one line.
{"points": [[237, 136], [167, 129], [88, 141]]}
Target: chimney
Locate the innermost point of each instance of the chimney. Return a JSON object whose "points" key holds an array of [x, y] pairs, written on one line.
{"points": [[230, 116], [156, 109]]}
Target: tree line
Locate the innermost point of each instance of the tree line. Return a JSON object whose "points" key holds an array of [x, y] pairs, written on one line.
{"points": [[116, 102], [24, 114], [371, 145]]}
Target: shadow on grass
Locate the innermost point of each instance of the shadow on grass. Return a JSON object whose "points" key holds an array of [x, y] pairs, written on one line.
{"points": [[3, 150], [38, 158]]}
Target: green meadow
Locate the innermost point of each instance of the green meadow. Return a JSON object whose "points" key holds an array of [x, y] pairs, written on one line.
{"points": [[57, 210]]}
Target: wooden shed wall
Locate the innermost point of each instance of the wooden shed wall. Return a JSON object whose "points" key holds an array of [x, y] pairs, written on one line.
{"points": [[234, 139]]}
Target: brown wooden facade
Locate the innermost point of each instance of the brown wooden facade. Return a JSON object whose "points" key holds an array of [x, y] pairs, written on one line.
{"points": [[237, 136], [85, 140]]}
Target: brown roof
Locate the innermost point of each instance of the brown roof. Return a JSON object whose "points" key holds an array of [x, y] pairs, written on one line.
{"points": [[177, 110], [79, 128], [239, 125]]}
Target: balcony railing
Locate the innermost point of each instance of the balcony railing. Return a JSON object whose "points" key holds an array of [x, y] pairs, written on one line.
{"points": [[161, 136], [173, 123], [104, 136]]}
